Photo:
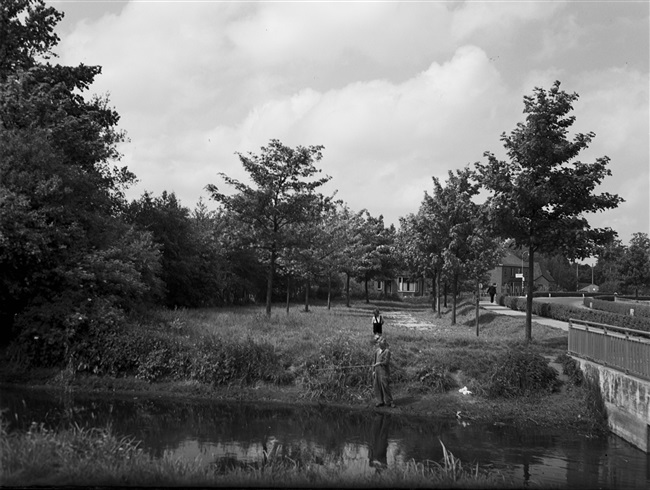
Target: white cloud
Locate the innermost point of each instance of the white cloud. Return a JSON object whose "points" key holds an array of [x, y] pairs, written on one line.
{"points": [[396, 92], [498, 20]]}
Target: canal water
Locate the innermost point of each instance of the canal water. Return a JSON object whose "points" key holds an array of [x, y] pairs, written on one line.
{"points": [[240, 433]]}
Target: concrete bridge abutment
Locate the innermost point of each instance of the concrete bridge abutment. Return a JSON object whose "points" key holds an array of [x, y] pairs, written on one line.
{"points": [[627, 400]]}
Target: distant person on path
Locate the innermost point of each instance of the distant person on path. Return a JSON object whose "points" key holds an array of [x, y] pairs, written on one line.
{"points": [[377, 323], [381, 374], [492, 290]]}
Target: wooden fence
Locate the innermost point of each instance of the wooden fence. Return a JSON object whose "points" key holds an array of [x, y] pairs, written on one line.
{"points": [[616, 347]]}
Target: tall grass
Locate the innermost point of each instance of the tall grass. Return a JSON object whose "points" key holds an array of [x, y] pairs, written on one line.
{"points": [[325, 352], [97, 457]]}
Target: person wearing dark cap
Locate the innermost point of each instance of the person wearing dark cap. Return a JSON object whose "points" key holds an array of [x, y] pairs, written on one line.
{"points": [[381, 374]]}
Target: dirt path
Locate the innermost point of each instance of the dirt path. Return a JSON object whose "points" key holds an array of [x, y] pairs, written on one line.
{"points": [[407, 320]]}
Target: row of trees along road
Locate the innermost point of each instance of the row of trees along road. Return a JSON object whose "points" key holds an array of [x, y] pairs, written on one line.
{"points": [[75, 255]]}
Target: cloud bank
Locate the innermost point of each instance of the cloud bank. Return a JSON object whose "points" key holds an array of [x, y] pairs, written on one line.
{"points": [[396, 92]]}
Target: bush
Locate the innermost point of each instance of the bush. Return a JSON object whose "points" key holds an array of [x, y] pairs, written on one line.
{"points": [[571, 368], [53, 332], [521, 373], [435, 379]]}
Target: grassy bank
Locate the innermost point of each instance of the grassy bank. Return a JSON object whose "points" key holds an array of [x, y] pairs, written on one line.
{"points": [[323, 356]]}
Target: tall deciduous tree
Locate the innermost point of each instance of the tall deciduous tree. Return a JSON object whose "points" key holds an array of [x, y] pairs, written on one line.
{"points": [[540, 195], [608, 266], [635, 264], [352, 249], [422, 241], [376, 251], [282, 196], [62, 242], [462, 246]]}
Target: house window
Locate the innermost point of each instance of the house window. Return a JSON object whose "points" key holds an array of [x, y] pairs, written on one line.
{"points": [[407, 286]]}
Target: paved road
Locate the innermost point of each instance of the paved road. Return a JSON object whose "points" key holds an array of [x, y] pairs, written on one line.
{"points": [[571, 301]]}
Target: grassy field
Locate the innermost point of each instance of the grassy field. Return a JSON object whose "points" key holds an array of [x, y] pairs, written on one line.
{"points": [[323, 356]]}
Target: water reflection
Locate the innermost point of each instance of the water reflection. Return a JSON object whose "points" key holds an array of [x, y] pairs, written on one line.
{"points": [[237, 434], [378, 450]]}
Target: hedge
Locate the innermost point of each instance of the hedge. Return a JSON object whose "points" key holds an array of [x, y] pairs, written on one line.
{"points": [[565, 312], [618, 307], [563, 294]]}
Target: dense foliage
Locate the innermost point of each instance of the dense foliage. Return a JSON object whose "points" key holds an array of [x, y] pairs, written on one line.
{"points": [[68, 263], [520, 372]]}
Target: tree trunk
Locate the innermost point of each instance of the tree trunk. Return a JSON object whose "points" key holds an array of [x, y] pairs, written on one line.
{"points": [[529, 297], [438, 291], [288, 289], [347, 289], [478, 296], [445, 295], [307, 294], [367, 296], [329, 290], [269, 283], [454, 288], [433, 292]]}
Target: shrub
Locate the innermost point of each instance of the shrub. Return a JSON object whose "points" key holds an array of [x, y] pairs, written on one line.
{"points": [[521, 373], [435, 379], [53, 332], [571, 368]]}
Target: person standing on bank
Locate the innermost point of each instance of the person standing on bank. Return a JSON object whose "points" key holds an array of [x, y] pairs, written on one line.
{"points": [[381, 374], [492, 290], [377, 323]]}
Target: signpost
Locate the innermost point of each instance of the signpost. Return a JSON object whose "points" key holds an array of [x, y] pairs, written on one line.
{"points": [[521, 276]]}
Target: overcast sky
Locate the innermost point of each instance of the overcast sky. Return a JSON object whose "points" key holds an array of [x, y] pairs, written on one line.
{"points": [[397, 92]]}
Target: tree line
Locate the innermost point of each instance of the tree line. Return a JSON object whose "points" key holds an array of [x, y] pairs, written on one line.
{"points": [[76, 255]]}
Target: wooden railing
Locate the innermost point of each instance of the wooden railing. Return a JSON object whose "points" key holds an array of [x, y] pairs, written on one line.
{"points": [[616, 347]]}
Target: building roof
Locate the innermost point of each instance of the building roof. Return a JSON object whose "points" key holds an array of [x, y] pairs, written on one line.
{"points": [[512, 260]]}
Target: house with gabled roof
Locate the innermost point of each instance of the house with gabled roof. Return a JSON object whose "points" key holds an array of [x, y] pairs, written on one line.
{"points": [[512, 275]]}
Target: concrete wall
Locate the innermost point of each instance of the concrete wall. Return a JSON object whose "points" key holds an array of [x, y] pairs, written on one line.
{"points": [[627, 400]]}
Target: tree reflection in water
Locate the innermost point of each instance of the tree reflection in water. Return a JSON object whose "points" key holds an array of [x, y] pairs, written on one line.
{"points": [[237, 434]]}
